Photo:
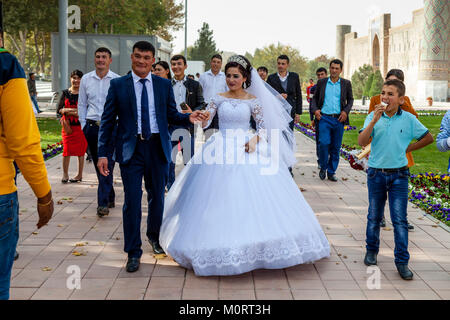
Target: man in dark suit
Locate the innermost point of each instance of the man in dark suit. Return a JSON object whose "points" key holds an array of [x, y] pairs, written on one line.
{"points": [[331, 105], [144, 105], [288, 85], [188, 93]]}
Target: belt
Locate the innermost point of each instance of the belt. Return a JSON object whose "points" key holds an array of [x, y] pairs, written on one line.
{"points": [[334, 115], [392, 170], [152, 136], [97, 123]]}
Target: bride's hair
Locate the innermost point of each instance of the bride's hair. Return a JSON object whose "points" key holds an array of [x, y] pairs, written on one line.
{"points": [[246, 72]]}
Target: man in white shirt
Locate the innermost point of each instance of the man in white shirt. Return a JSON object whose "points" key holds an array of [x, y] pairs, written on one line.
{"points": [[94, 88], [213, 82]]}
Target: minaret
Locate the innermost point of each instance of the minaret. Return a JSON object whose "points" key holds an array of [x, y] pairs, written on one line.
{"points": [[434, 53], [341, 31]]}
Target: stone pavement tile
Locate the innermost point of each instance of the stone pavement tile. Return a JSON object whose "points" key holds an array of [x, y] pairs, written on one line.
{"points": [[140, 283], [420, 295], [340, 285], [438, 284], [302, 268], [330, 266], [55, 283], [163, 294], [68, 265], [335, 275], [103, 272], [268, 281], [299, 284], [52, 294], [347, 295], [415, 284], [424, 266], [237, 282], [434, 275], [367, 285], [145, 270], [167, 270], [31, 240], [302, 275], [93, 289], [444, 294], [273, 294], [200, 294], [21, 293], [383, 295], [126, 294], [166, 282], [39, 263], [310, 294], [31, 278], [201, 283], [236, 294], [15, 272]]}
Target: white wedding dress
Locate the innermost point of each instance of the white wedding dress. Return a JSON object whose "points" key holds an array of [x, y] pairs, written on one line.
{"points": [[223, 216]]}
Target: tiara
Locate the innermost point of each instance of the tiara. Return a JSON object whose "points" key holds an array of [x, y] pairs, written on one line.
{"points": [[238, 59]]}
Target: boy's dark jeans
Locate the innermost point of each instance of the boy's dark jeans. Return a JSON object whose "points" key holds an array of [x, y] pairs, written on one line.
{"points": [[395, 186]]}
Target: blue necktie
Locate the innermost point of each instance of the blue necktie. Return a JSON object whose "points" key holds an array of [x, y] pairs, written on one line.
{"points": [[145, 117]]}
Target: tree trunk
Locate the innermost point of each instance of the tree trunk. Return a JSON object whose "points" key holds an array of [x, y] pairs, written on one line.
{"points": [[38, 51]]}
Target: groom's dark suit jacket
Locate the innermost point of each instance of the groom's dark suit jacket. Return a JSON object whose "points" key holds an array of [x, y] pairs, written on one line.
{"points": [[294, 90], [121, 102]]}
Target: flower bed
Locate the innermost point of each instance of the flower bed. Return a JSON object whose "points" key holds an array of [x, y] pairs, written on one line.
{"points": [[420, 113], [52, 150], [429, 191]]}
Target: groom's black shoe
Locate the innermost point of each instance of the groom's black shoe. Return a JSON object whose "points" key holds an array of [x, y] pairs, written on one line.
{"points": [[404, 271], [156, 247], [133, 264], [322, 174], [332, 177], [370, 258]]}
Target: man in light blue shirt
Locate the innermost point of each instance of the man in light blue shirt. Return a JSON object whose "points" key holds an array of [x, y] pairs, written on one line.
{"points": [[391, 130], [443, 138]]}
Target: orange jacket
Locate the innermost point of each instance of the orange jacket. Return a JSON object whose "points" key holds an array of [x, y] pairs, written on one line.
{"points": [[407, 106]]}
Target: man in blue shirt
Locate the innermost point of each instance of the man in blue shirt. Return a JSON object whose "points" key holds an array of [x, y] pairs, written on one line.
{"points": [[443, 138], [391, 130], [331, 105]]}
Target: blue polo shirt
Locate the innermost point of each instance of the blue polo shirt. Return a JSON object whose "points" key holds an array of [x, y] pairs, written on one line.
{"points": [[391, 137], [332, 102]]}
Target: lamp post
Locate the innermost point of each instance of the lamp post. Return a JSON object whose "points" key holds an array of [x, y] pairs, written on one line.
{"points": [[63, 44], [185, 29]]}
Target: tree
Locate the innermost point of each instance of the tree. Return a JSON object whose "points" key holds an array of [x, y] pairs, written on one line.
{"points": [[313, 65], [377, 84], [368, 85], [268, 55], [359, 79], [205, 47]]}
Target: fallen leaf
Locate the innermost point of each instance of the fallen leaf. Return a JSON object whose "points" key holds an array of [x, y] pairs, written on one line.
{"points": [[101, 243], [337, 263], [387, 229], [117, 238], [435, 226], [46, 269], [345, 257], [81, 244], [78, 253], [302, 189], [60, 225], [355, 261], [59, 202], [23, 210], [160, 256], [34, 233], [339, 254], [344, 179], [421, 218]]}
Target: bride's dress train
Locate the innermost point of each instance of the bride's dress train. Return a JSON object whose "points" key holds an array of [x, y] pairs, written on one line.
{"points": [[227, 218]]}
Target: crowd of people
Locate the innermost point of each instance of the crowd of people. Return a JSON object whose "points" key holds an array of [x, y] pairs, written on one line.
{"points": [[139, 120]]}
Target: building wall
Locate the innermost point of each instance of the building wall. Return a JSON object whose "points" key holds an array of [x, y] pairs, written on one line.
{"points": [[357, 53]]}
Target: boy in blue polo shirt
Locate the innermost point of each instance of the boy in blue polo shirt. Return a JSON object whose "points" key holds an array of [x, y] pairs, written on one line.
{"points": [[391, 130]]}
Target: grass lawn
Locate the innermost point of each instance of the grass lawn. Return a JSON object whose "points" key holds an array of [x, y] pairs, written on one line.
{"points": [[50, 131], [428, 159]]}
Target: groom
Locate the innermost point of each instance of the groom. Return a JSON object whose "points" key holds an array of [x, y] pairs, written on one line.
{"points": [[144, 105]]}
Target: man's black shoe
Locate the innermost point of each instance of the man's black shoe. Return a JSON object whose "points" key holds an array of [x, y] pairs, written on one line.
{"points": [[383, 223], [16, 256], [111, 204], [156, 247], [133, 264], [371, 258], [322, 174], [332, 177], [404, 271], [102, 211], [410, 226]]}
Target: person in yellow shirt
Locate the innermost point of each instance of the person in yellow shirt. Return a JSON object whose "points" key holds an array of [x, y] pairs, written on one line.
{"points": [[19, 142]]}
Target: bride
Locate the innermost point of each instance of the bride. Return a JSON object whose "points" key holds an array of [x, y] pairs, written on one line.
{"points": [[235, 207]]}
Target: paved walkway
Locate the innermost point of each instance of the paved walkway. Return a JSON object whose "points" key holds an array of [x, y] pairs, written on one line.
{"points": [[45, 255]]}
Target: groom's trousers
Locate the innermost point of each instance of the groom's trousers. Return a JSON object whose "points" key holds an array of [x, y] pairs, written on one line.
{"points": [[148, 162]]}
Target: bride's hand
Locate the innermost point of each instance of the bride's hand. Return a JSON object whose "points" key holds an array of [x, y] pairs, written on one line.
{"points": [[250, 147]]}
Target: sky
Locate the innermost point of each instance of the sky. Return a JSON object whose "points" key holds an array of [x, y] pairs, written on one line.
{"points": [[310, 26]]}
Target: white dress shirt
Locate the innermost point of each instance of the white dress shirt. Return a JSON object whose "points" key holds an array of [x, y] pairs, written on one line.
{"points": [[179, 90], [151, 102], [282, 79], [212, 84], [92, 96]]}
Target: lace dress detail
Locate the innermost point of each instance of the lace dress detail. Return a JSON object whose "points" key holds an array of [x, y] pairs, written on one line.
{"points": [[227, 218]]}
